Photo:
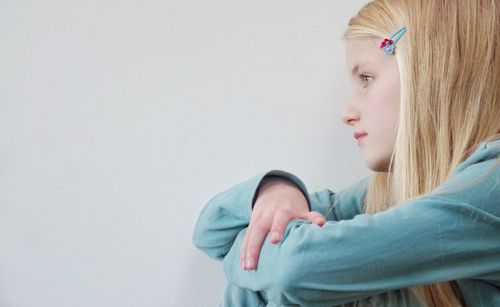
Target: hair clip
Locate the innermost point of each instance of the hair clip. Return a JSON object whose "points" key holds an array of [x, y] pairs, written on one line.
{"points": [[388, 44]]}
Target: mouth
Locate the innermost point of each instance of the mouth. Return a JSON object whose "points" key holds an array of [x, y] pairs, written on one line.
{"points": [[359, 135]]}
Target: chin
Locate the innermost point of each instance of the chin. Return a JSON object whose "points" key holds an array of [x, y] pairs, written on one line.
{"points": [[378, 166]]}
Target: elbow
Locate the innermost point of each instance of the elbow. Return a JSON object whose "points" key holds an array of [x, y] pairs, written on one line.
{"points": [[212, 237], [208, 247], [197, 238], [203, 239]]}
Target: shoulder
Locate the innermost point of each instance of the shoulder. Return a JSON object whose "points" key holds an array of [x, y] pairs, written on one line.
{"points": [[483, 161], [475, 181], [484, 152]]}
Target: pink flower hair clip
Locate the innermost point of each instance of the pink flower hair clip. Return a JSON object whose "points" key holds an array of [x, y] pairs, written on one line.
{"points": [[388, 44]]}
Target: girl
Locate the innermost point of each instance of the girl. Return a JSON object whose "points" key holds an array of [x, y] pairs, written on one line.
{"points": [[424, 228]]}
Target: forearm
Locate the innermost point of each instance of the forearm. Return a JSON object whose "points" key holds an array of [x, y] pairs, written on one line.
{"points": [[228, 212], [354, 259]]}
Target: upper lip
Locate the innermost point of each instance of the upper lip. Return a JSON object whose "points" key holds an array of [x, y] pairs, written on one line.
{"points": [[357, 135]]}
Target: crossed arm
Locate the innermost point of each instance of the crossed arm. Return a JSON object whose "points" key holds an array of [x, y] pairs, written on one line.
{"points": [[437, 238]]}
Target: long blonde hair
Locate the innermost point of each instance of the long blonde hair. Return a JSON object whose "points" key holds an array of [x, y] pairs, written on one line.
{"points": [[448, 62]]}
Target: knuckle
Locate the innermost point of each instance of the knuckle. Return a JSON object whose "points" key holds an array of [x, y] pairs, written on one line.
{"points": [[314, 214], [284, 212], [253, 250], [278, 230], [261, 227]]}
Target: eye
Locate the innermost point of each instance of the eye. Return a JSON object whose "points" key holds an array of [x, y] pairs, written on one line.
{"points": [[364, 79]]}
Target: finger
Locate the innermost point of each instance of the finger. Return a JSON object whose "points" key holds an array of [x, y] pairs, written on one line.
{"points": [[280, 221], [315, 217], [243, 250], [254, 245], [244, 246]]}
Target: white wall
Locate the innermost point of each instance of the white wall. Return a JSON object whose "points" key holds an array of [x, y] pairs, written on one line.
{"points": [[120, 119]]}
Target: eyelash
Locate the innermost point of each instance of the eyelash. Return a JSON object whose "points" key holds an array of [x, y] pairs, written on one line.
{"points": [[362, 77]]}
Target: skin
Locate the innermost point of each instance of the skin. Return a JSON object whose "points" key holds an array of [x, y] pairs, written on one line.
{"points": [[374, 105], [373, 108]]}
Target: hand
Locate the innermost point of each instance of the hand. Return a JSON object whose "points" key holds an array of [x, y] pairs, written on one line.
{"points": [[278, 202]]}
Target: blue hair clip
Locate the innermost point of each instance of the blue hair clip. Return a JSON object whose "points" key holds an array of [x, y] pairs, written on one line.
{"points": [[388, 44]]}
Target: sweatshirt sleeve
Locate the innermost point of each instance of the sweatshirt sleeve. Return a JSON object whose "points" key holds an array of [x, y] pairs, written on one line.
{"points": [[452, 233], [341, 205], [228, 212]]}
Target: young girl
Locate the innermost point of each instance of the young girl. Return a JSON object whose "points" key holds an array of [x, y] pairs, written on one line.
{"points": [[424, 228]]}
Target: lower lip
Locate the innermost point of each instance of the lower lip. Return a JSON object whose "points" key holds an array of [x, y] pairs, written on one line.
{"points": [[361, 137]]}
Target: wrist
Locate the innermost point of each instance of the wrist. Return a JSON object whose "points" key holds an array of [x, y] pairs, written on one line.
{"points": [[283, 177], [283, 186]]}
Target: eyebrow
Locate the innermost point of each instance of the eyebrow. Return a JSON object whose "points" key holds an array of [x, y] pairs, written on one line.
{"points": [[357, 67]]}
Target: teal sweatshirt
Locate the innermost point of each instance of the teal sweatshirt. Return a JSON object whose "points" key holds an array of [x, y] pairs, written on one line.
{"points": [[358, 259]]}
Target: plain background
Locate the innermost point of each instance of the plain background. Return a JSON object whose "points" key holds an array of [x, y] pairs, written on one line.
{"points": [[119, 120]]}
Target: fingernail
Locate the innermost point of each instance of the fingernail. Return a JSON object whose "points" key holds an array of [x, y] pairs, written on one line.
{"points": [[275, 236], [242, 262], [250, 263]]}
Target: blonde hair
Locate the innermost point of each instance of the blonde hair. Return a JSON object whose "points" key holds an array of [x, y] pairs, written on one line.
{"points": [[448, 62]]}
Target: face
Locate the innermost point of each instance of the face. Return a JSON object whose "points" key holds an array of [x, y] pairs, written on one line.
{"points": [[373, 108]]}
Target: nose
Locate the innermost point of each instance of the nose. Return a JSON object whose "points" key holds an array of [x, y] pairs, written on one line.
{"points": [[350, 114]]}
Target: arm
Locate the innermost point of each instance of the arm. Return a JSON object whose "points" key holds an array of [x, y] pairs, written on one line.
{"points": [[342, 205], [228, 212], [440, 237]]}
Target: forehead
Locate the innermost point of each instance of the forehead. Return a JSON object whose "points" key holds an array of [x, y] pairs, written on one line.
{"points": [[360, 51]]}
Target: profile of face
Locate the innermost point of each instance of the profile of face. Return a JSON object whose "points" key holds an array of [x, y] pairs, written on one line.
{"points": [[373, 108]]}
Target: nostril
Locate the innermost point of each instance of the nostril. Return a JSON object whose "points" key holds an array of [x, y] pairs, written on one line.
{"points": [[348, 121], [345, 118], [350, 116]]}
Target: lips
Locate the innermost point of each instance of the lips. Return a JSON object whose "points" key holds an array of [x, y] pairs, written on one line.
{"points": [[358, 135]]}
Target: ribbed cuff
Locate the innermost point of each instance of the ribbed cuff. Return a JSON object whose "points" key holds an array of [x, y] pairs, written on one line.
{"points": [[287, 176]]}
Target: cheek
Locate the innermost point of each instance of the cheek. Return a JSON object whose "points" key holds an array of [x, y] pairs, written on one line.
{"points": [[381, 113], [383, 100]]}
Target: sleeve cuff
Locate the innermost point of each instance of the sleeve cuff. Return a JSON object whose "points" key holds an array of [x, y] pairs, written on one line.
{"points": [[288, 176]]}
